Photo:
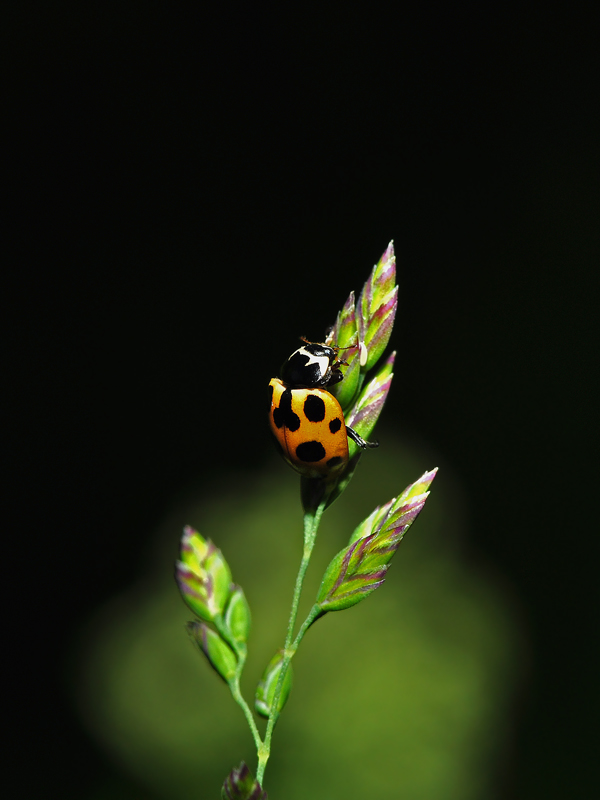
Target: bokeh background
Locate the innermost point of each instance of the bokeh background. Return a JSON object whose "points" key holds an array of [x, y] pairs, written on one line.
{"points": [[193, 189]]}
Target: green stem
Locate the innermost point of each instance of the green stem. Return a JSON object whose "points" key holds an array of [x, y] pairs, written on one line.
{"points": [[236, 693], [234, 683], [313, 614], [311, 526]]}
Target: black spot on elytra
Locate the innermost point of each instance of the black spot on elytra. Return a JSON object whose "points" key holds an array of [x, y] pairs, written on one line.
{"points": [[284, 414], [314, 408], [335, 461], [310, 451], [335, 425]]}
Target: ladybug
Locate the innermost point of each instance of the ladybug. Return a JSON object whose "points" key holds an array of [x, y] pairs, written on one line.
{"points": [[306, 420]]}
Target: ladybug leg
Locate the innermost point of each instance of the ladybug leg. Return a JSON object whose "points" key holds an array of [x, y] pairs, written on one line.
{"points": [[359, 441], [335, 377], [337, 363]]}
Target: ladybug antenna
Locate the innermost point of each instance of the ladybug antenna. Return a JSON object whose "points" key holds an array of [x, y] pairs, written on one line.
{"points": [[350, 346], [334, 346]]}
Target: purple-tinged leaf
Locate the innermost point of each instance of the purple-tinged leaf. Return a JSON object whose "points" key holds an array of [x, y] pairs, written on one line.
{"points": [[357, 570], [399, 513], [241, 784], [203, 575], [385, 277], [376, 290], [365, 413], [343, 332], [379, 330], [348, 579]]}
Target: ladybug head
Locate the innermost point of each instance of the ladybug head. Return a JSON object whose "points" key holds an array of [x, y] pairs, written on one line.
{"points": [[312, 365]]}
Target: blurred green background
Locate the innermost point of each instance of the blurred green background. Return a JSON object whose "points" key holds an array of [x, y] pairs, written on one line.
{"points": [[407, 695], [193, 189]]}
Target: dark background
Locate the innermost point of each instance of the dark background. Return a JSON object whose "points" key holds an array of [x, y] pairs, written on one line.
{"points": [[194, 190]]}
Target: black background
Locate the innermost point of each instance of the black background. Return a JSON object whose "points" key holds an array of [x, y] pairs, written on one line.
{"points": [[194, 189]]}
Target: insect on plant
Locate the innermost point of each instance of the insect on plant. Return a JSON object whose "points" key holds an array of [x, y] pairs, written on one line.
{"points": [[323, 410]]}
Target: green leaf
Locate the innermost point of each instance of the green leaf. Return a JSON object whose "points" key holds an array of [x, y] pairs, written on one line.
{"points": [[371, 523], [241, 784], [265, 691], [344, 335], [348, 388], [219, 654], [203, 576], [237, 615]]}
